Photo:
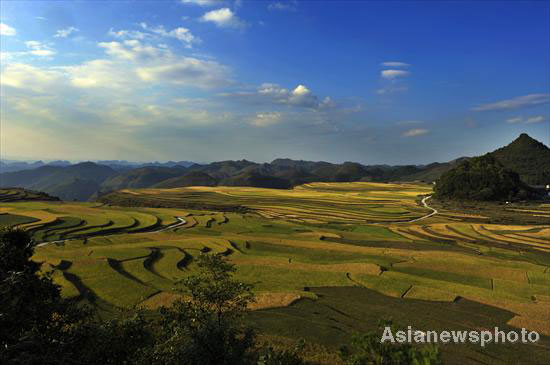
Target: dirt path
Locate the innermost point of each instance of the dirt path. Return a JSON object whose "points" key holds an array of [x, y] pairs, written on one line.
{"points": [[434, 211]]}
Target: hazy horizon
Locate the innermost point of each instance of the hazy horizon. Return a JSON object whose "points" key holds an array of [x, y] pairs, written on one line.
{"points": [[393, 83], [30, 160]]}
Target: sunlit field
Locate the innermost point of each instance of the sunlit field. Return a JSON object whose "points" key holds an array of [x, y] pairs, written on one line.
{"points": [[326, 259]]}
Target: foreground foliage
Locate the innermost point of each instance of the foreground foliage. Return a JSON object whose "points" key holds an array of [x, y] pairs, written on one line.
{"points": [[38, 326]]}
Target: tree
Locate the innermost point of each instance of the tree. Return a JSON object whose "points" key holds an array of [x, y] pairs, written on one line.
{"points": [[205, 328]]}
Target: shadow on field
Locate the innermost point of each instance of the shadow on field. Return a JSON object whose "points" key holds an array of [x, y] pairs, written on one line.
{"points": [[341, 311]]}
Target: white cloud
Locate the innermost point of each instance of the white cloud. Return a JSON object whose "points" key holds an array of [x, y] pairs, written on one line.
{"points": [[42, 52], [268, 93], [127, 67], [132, 62], [101, 73], [39, 49], [186, 71], [537, 119], [393, 74], [133, 50], [265, 119], [283, 5], [415, 132], [514, 120], [180, 33], [64, 33], [223, 18], [7, 30], [202, 2], [23, 76], [395, 64], [515, 103], [125, 34]]}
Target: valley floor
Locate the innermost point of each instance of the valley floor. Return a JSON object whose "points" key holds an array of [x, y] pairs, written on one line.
{"points": [[326, 259]]}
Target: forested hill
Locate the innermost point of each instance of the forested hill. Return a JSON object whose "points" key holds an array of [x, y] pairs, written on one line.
{"points": [[482, 178]]}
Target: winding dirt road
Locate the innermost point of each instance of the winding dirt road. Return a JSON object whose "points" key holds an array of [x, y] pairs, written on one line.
{"points": [[434, 211]]}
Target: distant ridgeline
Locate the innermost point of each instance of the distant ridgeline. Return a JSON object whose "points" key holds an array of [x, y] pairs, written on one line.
{"points": [[88, 180]]}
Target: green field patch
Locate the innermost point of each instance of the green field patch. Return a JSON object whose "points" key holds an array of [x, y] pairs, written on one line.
{"points": [[538, 277], [108, 284], [169, 263], [526, 291], [378, 233], [420, 292], [266, 278], [383, 284], [312, 255], [470, 280], [10, 220], [55, 232], [68, 290]]}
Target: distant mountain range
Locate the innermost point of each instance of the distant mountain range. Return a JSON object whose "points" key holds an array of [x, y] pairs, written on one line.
{"points": [[89, 180], [13, 165]]}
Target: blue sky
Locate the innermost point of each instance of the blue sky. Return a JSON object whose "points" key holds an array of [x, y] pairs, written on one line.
{"points": [[206, 80]]}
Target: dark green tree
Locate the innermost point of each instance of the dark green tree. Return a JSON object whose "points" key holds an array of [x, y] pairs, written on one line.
{"points": [[205, 328], [37, 326]]}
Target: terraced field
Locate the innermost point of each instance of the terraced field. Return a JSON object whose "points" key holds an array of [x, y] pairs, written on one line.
{"points": [[303, 249], [310, 203], [56, 221]]}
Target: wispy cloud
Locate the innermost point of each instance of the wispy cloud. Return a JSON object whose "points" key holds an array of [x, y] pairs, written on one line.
{"points": [[537, 119], [392, 79], [514, 120], [290, 5], [39, 49], [127, 34], [7, 30], [180, 33], [265, 119], [415, 132], [64, 33], [201, 2], [519, 102], [394, 64], [223, 18], [393, 74], [528, 120]]}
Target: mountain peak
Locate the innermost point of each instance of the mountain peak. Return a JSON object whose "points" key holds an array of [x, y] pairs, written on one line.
{"points": [[528, 157], [526, 140]]}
